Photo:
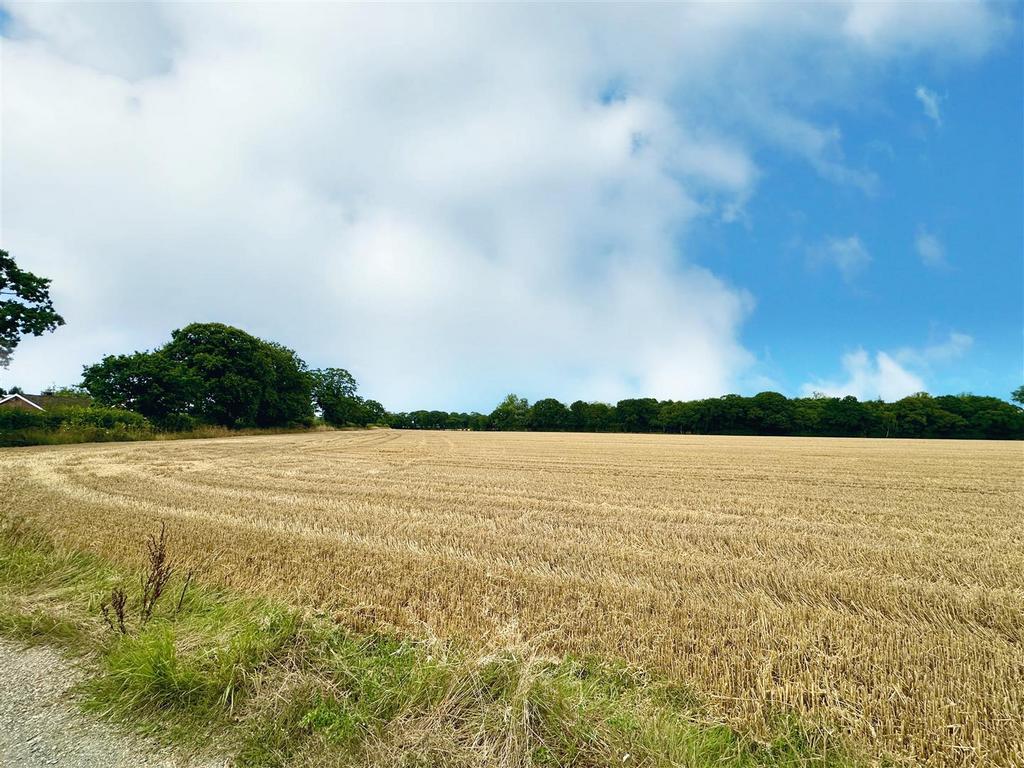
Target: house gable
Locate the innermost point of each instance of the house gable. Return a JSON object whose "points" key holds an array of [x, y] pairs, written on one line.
{"points": [[19, 401]]}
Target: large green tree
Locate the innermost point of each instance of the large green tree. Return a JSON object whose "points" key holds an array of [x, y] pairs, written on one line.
{"points": [[212, 371], [246, 381], [678, 416], [147, 382], [550, 415], [512, 413], [286, 397], [638, 414], [25, 306], [593, 417], [334, 394], [372, 413], [770, 413], [843, 417]]}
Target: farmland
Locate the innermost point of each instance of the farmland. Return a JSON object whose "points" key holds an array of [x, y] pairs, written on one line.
{"points": [[876, 586]]}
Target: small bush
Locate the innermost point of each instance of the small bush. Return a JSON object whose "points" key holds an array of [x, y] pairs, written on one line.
{"points": [[98, 416], [71, 424], [21, 418], [97, 424]]}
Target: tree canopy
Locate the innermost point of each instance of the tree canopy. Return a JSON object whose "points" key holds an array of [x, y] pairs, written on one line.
{"points": [[512, 413], [549, 415], [334, 395], [217, 373], [148, 382], [767, 413], [25, 307]]}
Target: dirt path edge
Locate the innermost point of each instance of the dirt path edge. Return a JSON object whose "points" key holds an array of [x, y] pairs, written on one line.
{"points": [[40, 724]]}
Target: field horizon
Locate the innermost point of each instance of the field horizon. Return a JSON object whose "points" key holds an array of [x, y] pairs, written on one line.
{"points": [[873, 586]]}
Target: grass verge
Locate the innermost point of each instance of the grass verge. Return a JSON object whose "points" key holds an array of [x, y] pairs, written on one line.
{"points": [[270, 686]]}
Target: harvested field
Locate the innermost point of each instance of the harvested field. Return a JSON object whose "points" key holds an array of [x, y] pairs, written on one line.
{"points": [[877, 586]]}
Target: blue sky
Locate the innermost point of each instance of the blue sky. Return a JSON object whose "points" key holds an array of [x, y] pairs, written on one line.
{"points": [[961, 182], [569, 201]]}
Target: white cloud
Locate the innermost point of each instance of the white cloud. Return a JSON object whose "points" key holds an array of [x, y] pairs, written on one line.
{"points": [[930, 249], [869, 377], [819, 146], [966, 29], [952, 348], [930, 101], [434, 196], [126, 40], [890, 376], [847, 254]]}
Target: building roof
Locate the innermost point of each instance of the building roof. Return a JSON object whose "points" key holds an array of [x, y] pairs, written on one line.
{"points": [[46, 402], [23, 398], [60, 401]]}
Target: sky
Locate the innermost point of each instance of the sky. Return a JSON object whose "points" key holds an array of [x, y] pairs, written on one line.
{"points": [[577, 201]]}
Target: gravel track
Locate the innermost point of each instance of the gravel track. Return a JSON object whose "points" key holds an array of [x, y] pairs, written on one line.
{"points": [[41, 726]]}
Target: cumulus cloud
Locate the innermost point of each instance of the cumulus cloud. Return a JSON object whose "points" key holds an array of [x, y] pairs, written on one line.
{"points": [[450, 201], [930, 249], [929, 103], [847, 254], [889, 375], [869, 377]]}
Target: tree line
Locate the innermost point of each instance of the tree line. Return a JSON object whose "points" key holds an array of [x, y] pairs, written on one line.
{"points": [[215, 374], [211, 373], [767, 413]]}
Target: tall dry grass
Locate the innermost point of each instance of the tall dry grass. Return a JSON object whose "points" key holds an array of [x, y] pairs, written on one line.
{"points": [[877, 585]]}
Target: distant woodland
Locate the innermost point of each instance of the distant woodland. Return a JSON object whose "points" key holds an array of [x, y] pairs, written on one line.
{"points": [[214, 375]]}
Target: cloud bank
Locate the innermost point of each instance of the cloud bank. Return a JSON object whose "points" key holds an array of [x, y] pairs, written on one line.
{"points": [[890, 375], [869, 377], [450, 201]]}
